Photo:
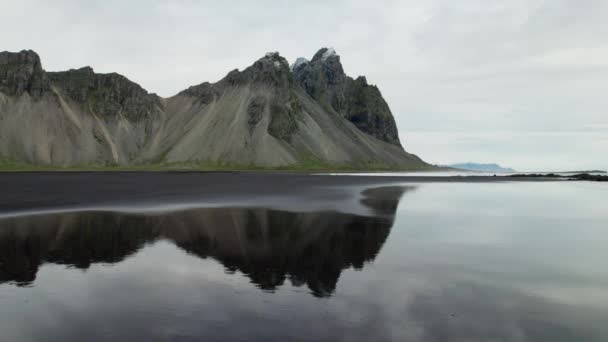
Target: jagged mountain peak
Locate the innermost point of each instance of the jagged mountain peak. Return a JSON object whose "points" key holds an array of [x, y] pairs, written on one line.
{"points": [[362, 104], [316, 76], [328, 59], [273, 56], [273, 59], [324, 54], [270, 70], [362, 80]]}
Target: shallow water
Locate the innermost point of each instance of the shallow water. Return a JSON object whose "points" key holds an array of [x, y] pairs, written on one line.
{"points": [[427, 262], [462, 173]]}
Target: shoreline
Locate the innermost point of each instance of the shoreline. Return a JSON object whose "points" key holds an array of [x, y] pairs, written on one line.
{"points": [[37, 191]]}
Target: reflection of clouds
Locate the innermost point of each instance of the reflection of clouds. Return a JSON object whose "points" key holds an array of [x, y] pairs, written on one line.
{"points": [[436, 304], [196, 298], [581, 295], [516, 262], [469, 312]]}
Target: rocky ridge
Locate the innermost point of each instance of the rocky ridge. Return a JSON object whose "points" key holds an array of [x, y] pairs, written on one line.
{"points": [[324, 79], [269, 114]]}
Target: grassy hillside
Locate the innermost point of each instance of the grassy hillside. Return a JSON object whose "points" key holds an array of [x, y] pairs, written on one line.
{"points": [[309, 166]]}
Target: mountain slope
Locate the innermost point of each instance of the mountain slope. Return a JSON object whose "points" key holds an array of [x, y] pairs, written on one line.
{"points": [[260, 116]]}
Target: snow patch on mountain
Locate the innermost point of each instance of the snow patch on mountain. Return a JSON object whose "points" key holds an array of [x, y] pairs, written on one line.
{"points": [[329, 53]]}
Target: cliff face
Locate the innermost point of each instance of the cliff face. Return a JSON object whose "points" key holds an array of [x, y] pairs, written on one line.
{"points": [[265, 115], [105, 94], [22, 73], [324, 79]]}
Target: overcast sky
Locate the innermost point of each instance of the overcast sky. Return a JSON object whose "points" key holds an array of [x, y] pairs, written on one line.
{"points": [[523, 83]]}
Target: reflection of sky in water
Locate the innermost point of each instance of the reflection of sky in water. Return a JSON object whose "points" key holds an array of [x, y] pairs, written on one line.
{"points": [[462, 262], [463, 173]]}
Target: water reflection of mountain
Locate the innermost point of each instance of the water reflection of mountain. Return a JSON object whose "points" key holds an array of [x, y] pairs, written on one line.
{"points": [[267, 245]]}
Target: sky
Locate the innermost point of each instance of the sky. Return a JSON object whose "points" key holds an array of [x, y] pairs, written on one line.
{"points": [[522, 83]]}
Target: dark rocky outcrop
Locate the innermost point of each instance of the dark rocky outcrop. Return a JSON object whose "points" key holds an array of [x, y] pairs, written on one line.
{"points": [[22, 72], [205, 92], [271, 70], [105, 94], [255, 110], [324, 79]]}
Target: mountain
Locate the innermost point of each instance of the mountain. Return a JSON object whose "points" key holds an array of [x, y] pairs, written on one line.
{"points": [[360, 103], [482, 167], [268, 115]]}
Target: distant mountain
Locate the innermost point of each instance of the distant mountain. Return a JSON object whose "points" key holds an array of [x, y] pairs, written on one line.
{"points": [[268, 115], [482, 167]]}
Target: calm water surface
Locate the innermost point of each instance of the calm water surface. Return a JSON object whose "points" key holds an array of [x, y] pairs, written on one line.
{"points": [[426, 262]]}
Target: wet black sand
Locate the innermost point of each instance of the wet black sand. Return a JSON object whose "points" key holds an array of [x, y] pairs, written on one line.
{"points": [[46, 190]]}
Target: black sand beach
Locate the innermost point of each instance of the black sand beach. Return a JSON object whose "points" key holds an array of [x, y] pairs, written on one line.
{"points": [[27, 191]]}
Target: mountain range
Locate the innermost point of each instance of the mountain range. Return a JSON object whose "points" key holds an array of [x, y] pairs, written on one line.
{"points": [[270, 115], [491, 167]]}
